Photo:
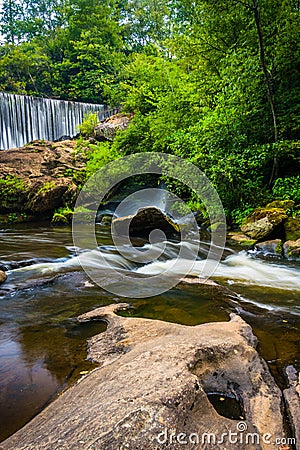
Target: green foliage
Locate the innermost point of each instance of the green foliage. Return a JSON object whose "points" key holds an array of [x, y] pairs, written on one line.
{"points": [[287, 188], [191, 73], [62, 216], [88, 124], [78, 176], [98, 155], [239, 215]]}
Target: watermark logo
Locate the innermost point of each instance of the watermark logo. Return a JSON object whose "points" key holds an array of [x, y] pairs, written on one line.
{"points": [[240, 435], [121, 266]]}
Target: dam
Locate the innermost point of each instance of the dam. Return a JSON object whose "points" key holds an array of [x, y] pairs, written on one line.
{"points": [[24, 118]]}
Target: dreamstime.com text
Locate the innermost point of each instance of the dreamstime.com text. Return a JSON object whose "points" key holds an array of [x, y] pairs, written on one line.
{"points": [[239, 436]]}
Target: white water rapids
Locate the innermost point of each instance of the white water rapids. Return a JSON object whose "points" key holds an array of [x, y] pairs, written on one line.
{"points": [[238, 268]]}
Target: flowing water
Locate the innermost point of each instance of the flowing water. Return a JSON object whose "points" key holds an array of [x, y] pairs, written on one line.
{"points": [[43, 348]]}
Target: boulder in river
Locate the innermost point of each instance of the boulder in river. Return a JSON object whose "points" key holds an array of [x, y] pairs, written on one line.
{"points": [[291, 249], [144, 221], [272, 247], [264, 221], [237, 238], [3, 276], [159, 384]]}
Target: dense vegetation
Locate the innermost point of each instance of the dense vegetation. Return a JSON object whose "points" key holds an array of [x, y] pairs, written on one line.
{"points": [[216, 82]]}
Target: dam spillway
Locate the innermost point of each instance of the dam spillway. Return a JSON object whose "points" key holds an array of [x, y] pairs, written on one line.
{"points": [[24, 118]]}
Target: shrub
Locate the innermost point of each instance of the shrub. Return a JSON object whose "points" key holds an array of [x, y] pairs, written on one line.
{"points": [[287, 188], [88, 124]]}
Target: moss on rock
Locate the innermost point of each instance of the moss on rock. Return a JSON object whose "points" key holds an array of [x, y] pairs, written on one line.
{"points": [[292, 228], [263, 221], [283, 204]]}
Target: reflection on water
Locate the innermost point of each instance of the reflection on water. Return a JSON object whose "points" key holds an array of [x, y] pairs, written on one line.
{"points": [[42, 348]]}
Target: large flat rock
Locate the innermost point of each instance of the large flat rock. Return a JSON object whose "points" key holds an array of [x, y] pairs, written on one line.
{"points": [[152, 384]]}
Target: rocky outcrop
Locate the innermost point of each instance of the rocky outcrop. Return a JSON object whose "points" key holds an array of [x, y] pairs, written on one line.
{"points": [[107, 129], [292, 399], [263, 221], [3, 276], [37, 179], [143, 222], [154, 388]]}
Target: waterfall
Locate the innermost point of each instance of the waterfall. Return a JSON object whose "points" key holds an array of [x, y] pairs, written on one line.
{"points": [[24, 118]]}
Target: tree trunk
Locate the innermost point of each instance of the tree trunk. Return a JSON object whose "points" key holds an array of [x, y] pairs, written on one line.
{"points": [[268, 82]]}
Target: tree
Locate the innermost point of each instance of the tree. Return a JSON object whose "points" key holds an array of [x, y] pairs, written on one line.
{"points": [[11, 16], [22, 20]]}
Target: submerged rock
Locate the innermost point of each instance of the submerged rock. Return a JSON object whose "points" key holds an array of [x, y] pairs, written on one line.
{"points": [[155, 382], [263, 221], [143, 222], [3, 276]]}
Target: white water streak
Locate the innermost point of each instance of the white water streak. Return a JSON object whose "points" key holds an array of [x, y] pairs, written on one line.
{"points": [[237, 268]]}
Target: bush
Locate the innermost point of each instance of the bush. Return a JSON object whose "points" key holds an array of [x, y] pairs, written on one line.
{"points": [[287, 188], [98, 155], [89, 122]]}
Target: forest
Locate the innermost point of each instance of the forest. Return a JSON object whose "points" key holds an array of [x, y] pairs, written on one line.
{"points": [[215, 82]]}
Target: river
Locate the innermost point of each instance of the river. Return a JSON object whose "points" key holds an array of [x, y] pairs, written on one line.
{"points": [[43, 349]]}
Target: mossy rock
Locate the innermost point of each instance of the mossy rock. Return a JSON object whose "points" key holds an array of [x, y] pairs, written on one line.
{"points": [[273, 247], [60, 219], [292, 249], [282, 204], [292, 228], [240, 239], [217, 226], [262, 222]]}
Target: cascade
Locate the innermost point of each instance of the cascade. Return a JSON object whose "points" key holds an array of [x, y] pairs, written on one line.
{"points": [[24, 118]]}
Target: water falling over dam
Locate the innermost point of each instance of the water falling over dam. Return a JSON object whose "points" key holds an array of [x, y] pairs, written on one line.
{"points": [[24, 118]]}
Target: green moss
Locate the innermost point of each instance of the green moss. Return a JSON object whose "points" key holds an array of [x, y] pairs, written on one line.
{"points": [[292, 228], [283, 204], [62, 216], [11, 185], [78, 176], [48, 186], [247, 242], [279, 248]]}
